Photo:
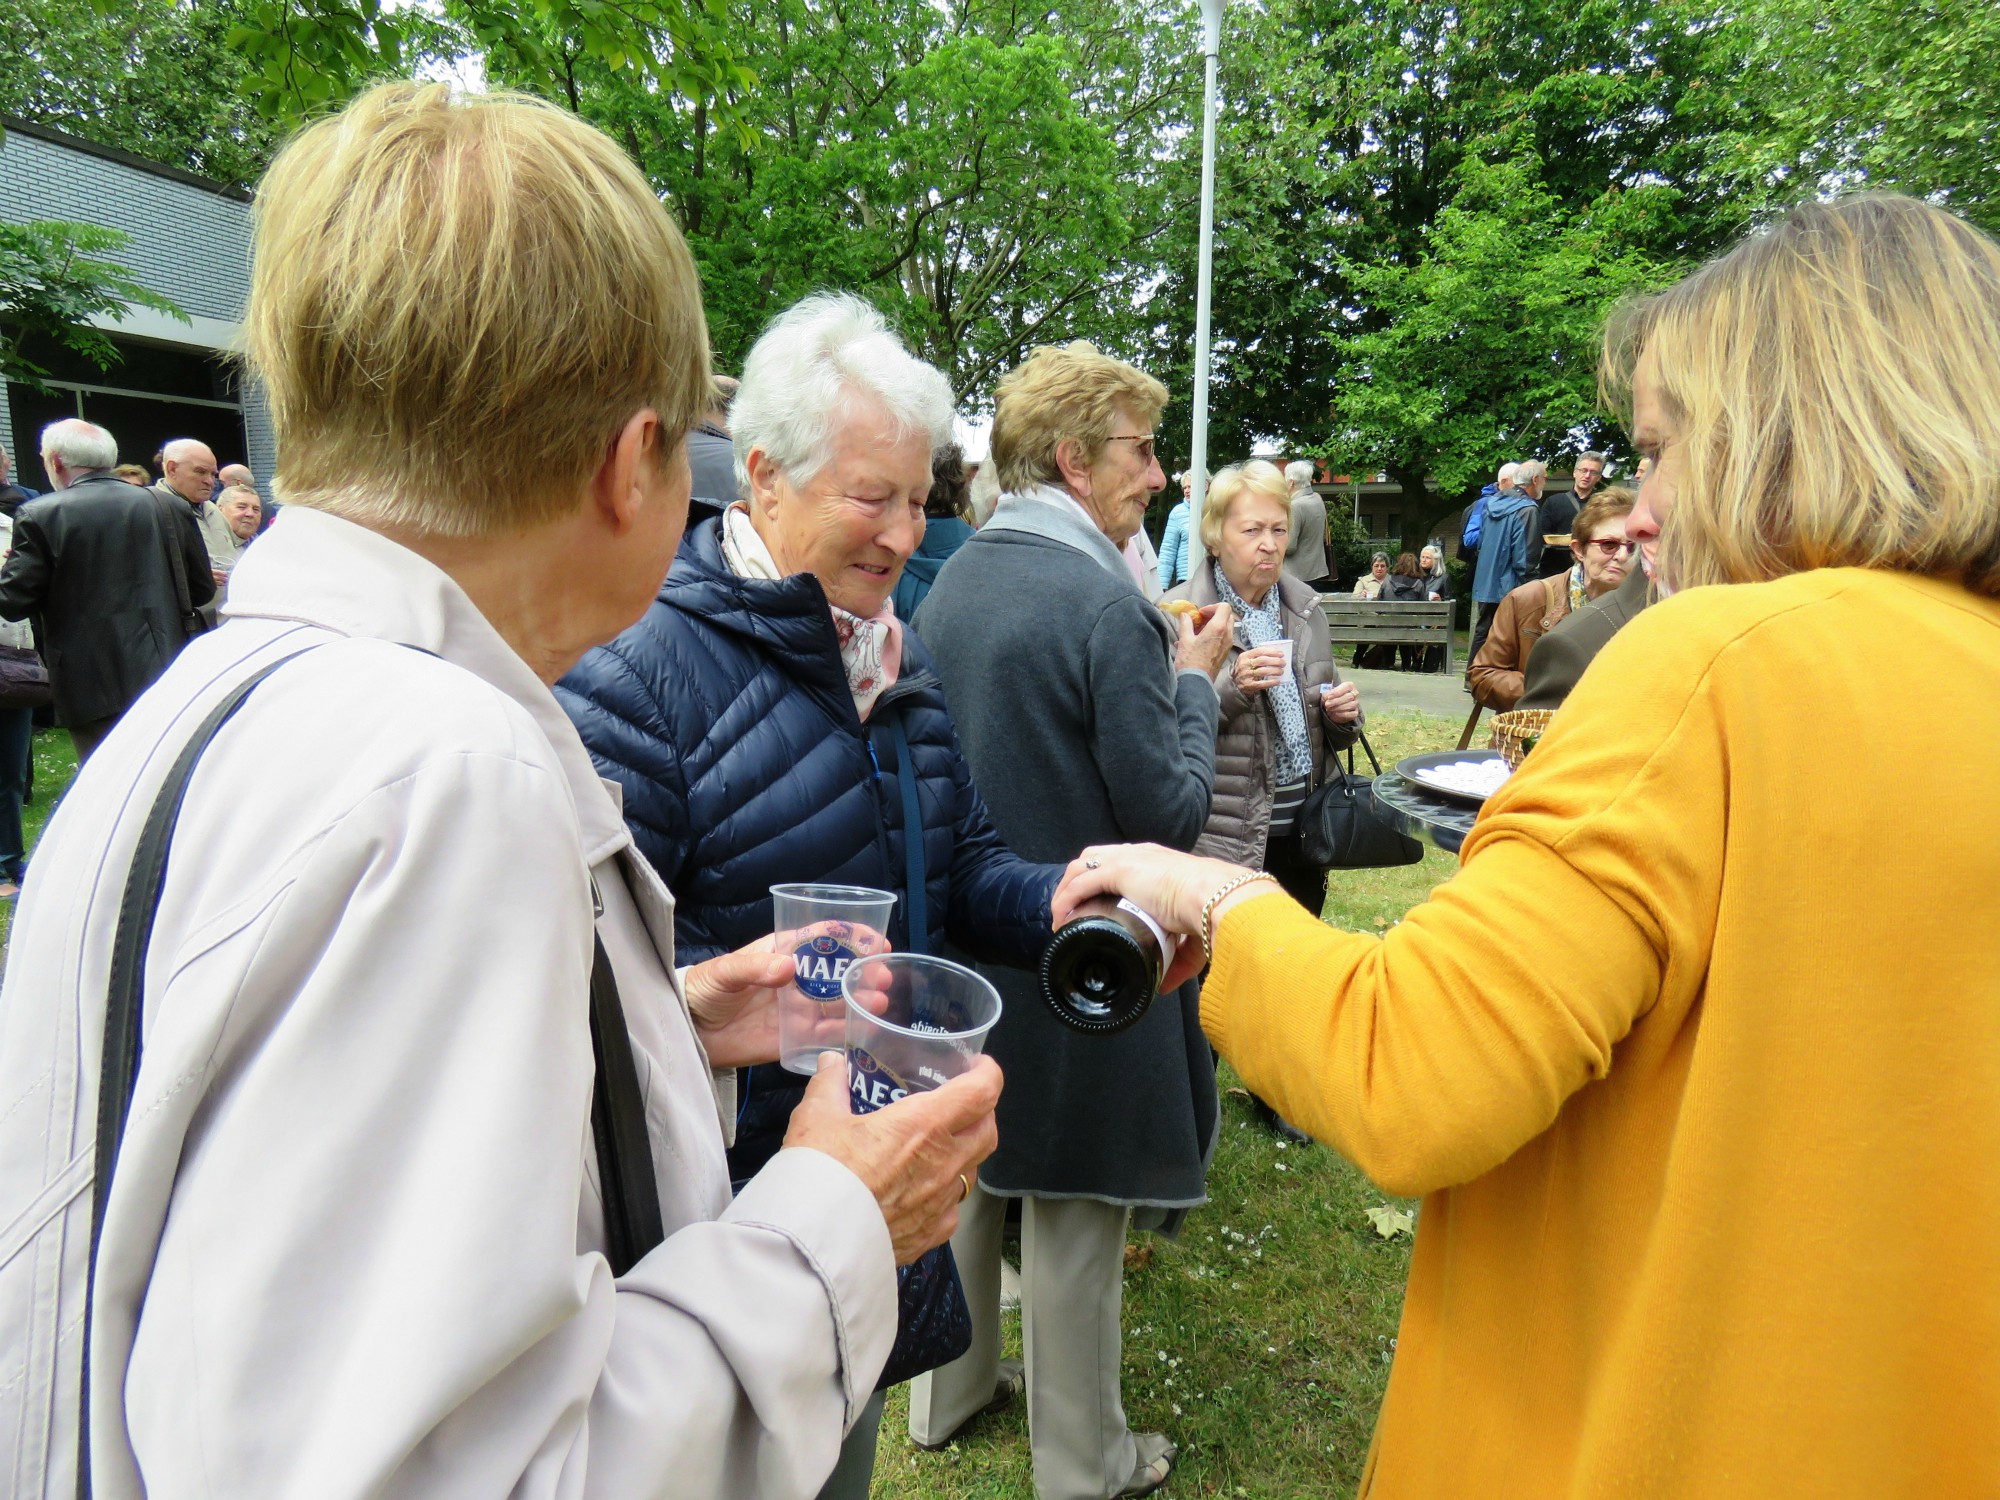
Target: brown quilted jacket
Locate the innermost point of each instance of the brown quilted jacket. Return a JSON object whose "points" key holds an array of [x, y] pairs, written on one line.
{"points": [[1246, 741], [1522, 618]]}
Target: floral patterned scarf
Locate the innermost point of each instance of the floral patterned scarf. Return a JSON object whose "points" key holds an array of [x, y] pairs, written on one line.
{"points": [[1260, 627], [871, 651]]}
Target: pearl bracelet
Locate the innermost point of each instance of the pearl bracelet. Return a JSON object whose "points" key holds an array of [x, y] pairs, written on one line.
{"points": [[1208, 908]]}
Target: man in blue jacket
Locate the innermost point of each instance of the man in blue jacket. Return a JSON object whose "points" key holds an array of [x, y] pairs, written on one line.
{"points": [[1508, 546]]}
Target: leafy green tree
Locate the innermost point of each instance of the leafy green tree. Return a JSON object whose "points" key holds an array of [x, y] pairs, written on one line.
{"points": [[1486, 345], [53, 281], [152, 77], [1493, 172], [988, 177], [1869, 93]]}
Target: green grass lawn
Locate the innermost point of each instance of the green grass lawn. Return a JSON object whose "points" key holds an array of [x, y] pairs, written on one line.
{"points": [[55, 765], [1261, 1340]]}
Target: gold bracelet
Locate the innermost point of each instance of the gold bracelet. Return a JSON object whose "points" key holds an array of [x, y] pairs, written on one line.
{"points": [[1208, 908]]}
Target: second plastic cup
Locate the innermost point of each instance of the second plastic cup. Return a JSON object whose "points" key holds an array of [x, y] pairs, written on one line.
{"points": [[828, 927], [914, 1022]]}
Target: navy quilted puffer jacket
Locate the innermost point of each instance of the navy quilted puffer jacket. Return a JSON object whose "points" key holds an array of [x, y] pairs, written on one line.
{"points": [[724, 716]]}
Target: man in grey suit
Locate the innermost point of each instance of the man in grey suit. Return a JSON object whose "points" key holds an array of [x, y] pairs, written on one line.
{"points": [[1305, 555], [1560, 658], [1086, 718]]}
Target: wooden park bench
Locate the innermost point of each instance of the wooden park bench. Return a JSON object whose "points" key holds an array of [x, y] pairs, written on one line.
{"points": [[1377, 622]]}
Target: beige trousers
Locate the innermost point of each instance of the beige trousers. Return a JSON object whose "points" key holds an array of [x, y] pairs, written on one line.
{"points": [[1072, 1283]]}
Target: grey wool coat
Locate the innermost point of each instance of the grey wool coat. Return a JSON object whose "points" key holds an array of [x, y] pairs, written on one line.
{"points": [[1239, 814], [1079, 731]]}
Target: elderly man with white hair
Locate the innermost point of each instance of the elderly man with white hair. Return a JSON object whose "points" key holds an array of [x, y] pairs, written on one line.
{"points": [[1305, 558], [90, 564], [769, 719], [1509, 544], [189, 475]]}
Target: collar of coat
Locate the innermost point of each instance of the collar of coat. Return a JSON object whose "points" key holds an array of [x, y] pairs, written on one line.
{"points": [[787, 619], [1053, 515], [320, 570]]}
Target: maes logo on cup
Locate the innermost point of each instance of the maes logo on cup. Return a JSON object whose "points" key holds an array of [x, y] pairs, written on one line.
{"points": [[871, 1085], [819, 964]]}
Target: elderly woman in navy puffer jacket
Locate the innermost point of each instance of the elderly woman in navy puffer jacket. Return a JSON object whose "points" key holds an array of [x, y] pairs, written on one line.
{"points": [[755, 716]]}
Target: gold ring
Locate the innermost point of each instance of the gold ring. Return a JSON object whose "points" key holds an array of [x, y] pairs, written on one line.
{"points": [[964, 1188]]}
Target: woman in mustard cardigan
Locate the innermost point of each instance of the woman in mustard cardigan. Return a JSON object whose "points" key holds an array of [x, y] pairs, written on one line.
{"points": [[1697, 1059]]}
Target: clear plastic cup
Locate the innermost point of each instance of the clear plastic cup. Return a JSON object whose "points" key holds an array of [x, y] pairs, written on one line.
{"points": [[826, 927], [914, 1022]]}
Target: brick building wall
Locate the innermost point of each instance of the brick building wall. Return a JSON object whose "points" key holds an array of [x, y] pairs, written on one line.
{"points": [[190, 242]]}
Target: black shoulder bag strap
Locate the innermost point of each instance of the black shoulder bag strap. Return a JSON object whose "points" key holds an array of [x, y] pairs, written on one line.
{"points": [[617, 1111], [1361, 739], [631, 1193]]}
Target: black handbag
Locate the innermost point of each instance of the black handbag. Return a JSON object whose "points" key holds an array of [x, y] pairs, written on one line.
{"points": [[1339, 828], [933, 1319], [632, 1224], [24, 680]]}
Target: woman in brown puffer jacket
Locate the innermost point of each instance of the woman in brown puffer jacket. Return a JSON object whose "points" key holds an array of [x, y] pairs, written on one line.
{"points": [[1277, 725]]}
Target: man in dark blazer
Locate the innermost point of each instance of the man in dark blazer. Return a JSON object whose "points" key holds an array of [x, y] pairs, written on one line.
{"points": [[1557, 663], [109, 572]]}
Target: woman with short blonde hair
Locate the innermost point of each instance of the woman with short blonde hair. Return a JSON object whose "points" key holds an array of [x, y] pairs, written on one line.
{"points": [[1284, 706], [421, 1190], [1064, 391], [1664, 1046]]}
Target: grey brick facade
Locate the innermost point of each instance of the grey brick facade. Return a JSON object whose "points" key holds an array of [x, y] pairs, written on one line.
{"points": [[190, 242]]}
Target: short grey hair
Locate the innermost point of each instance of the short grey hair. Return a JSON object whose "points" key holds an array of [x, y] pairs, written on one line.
{"points": [[1299, 473], [241, 489], [816, 357], [179, 449], [1529, 472], [1508, 473], [1591, 455], [79, 444]]}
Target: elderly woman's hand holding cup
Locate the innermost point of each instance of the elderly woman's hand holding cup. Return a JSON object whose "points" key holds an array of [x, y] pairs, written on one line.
{"points": [[918, 1156]]}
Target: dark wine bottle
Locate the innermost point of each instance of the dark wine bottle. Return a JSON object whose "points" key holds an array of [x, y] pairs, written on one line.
{"points": [[1103, 966]]}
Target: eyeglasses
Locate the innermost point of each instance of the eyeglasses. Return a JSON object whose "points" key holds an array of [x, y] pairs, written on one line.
{"points": [[1144, 450], [1608, 548]]}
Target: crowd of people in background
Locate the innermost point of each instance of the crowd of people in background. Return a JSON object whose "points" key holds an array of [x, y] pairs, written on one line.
{"points": [[513, 723], [105, 578]]}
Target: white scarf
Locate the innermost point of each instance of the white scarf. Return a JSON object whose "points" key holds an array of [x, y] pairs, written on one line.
{"points": [[871, 651]]}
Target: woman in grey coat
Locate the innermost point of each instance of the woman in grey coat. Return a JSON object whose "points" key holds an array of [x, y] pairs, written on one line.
{"points": [[1085, 719]]}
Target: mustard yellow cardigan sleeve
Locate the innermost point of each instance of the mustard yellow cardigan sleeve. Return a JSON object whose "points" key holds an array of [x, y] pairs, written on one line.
{"points": [[1587, 895]]}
